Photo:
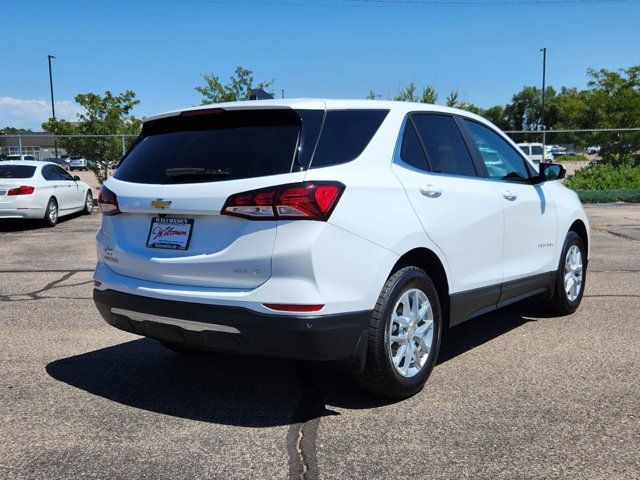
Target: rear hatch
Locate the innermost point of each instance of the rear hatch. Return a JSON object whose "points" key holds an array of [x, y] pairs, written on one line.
{"points": [[172, 184], [13, 176]]}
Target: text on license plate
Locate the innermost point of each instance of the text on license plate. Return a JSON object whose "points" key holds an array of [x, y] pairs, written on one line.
{"points": [[171, 233]]}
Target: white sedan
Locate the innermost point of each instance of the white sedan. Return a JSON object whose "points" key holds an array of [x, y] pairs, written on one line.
{"points": [[41, 190]]}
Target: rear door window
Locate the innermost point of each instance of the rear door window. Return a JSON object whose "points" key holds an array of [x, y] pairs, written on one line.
{"points": [[215, 146], [445, 147], [345, 135], [16, 171]]}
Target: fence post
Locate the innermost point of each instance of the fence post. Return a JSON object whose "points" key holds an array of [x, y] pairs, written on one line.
{"points": [[124, 148], [19, 144]]}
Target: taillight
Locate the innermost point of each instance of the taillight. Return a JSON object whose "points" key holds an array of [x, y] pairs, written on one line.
{"points": [[296, 201], [108, 202], [21, 190]]}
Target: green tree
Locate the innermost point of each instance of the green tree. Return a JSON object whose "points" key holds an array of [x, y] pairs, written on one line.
{"points": [[612, 100], [409, 93], [238, 88], [429, 95], [14, 131], [103, 115], [452, 99]]}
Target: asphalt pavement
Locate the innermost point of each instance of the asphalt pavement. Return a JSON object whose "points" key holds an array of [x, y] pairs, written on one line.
{"points": [[516, 394]]}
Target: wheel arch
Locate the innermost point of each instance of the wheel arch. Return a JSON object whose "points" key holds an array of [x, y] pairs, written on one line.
{"points": [[580, 228], [430, 262]]}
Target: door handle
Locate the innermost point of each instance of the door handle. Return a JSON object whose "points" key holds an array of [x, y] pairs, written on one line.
{"points": [[509, 195], [431, 191]]}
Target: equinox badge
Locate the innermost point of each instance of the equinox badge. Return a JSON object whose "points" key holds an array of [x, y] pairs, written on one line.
{"points": [[161, 204]]}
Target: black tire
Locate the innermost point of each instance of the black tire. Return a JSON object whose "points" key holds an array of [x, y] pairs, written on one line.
{"points": [[87, 210], [179, 348], [560, 304], [379, 376], [48, 220]]}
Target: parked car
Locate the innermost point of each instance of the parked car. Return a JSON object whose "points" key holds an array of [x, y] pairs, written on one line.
{"points": [[593, 150], [558, 150], [78, 163], [58, 161], [534, 151], [20, 157], [41, 190], [348, 230]]}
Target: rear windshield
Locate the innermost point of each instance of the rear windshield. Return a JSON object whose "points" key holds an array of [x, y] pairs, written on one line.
{"points": [[16, 171], [244, 144], [536, 150], [222, 146]]}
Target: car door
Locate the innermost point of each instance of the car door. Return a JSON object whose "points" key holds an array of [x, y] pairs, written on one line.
{"points": [[461, 213], [76, 194], [529, 212], [59, 188]]}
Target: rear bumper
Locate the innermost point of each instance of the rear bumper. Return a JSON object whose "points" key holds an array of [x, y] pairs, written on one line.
{"points": [[341, 337], [20, 212]]}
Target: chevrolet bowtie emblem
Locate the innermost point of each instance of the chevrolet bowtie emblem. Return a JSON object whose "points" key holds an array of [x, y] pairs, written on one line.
{"points": [[159, 203]]}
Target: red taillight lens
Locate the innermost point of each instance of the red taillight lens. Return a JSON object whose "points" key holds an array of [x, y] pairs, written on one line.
{"points": [[21, 190], [108, 202], [287, 307], [303, 201]]}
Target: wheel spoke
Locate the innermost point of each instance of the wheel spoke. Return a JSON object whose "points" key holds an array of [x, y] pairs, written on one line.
{"points": [[424, 328], [401, 339], [426, 306], [408, 355], [414, 307], [422, 346], [401, 320], [399, 355]]}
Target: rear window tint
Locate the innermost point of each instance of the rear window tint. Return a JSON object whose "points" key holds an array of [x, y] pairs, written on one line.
{"points": [[345, 134], [245, 144], [16, 171], [446, 150]]}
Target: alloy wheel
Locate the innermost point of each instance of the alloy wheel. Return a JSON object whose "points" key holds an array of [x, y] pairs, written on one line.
{"points": [[410, 333], [573, 272]]}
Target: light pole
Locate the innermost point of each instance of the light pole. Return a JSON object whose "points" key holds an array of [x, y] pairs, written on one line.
{"points": [[544, 78], [53, 107]]}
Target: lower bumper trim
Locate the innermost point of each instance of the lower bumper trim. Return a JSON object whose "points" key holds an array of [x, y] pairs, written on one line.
{"points": [[341, 337], [186, 324]]}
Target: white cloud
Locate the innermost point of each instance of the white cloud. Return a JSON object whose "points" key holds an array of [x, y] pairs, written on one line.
{"points": [[31, 113]]}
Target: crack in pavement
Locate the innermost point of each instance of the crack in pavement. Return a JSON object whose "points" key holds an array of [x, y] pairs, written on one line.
{"points": [[615, 234], [303, 432], [37, 294]]}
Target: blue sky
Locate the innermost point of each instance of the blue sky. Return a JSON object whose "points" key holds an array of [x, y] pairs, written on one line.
{"points": [[324, 48]]}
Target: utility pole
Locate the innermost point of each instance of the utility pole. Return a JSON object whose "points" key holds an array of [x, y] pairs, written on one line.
{"points": [[544, 78], [53, 107], [282, 92]]}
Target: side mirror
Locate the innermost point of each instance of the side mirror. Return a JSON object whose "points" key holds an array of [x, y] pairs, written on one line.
{"points": [[76, 178], [551, 171]]}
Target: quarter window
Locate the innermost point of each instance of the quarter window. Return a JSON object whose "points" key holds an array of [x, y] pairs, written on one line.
{"points": [[445, 147], [411, 151], [500, 158]]}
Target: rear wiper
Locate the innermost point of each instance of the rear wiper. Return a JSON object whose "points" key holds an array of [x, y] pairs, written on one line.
{"points": [[195, 172]]}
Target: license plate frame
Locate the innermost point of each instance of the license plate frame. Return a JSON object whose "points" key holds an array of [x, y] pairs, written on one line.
{"points": [[169, 237]]}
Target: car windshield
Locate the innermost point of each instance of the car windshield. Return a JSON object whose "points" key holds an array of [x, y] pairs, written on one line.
{"points": [[16, 171]]}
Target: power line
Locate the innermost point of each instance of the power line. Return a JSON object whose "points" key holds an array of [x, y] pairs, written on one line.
{"points": [[411, 3]]}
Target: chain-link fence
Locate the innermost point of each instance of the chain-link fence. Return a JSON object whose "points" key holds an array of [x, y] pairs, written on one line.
{"points": [[102, 152]]}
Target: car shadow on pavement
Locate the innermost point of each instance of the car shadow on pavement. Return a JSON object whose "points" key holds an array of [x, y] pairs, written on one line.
{"points": [[20, 225], [242, 390]]}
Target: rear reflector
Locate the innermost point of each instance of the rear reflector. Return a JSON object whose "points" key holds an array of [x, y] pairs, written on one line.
{"points": [[108, 202], [296, 201], [21, 190], [286, 307]]}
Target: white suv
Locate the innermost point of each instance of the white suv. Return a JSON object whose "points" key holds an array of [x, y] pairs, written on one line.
{"points": [[356, 230]]}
